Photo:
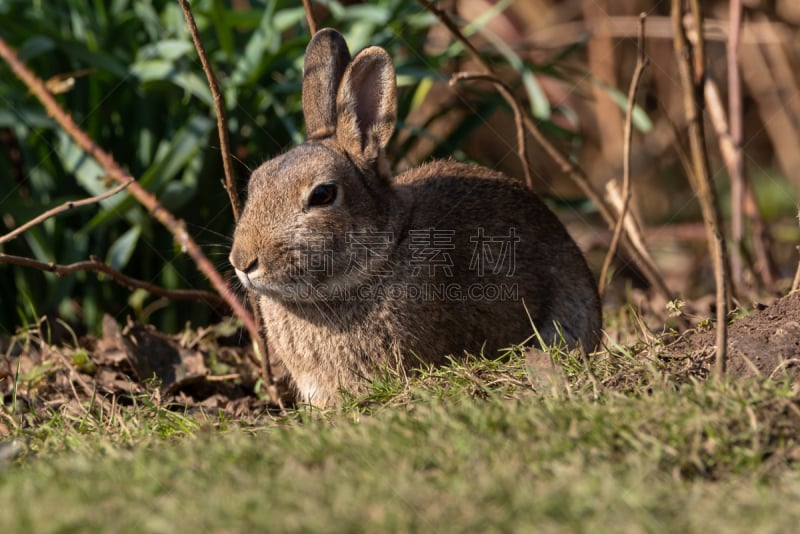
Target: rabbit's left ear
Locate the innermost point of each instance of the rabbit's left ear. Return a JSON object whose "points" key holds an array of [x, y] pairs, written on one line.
{"points": [[366, 105], [325, 61]]}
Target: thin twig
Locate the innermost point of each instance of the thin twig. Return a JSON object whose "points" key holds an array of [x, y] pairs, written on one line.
{"points": [[573, 171], [639, 254], [230, 180], [680, 150], [312, 24], [222, 129], [558, 36], [176, 226], [764, 264], [489, 76], [692, 79], [772, 96], [760, 238], [736, 165], [95, 265], [743, 202], [641, 64], [66, 206], [796, 281], [445, 19], [222, 378], [505, 92], [601, 62]]}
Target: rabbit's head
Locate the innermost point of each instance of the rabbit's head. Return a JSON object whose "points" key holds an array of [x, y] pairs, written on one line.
{"points": [[305, 208]]}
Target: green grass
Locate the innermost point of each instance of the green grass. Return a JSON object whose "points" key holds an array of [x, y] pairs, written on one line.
{"points": [[471, 447]]}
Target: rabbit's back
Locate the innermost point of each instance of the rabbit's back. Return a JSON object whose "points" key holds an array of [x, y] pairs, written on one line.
{"points": [[511, 256]]}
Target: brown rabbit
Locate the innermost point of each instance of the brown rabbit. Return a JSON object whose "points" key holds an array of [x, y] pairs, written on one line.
{"points": [[357, 270]]}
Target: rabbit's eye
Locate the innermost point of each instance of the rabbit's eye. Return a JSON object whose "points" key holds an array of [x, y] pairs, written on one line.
{"points": [[322, 195]]}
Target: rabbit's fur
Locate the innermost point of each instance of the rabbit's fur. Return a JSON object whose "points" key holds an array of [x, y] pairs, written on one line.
{"points": [[341, 277]]}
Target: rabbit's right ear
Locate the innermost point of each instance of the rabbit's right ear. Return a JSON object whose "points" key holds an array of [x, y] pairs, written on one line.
{"points": [[326, 59], [367, 105]]}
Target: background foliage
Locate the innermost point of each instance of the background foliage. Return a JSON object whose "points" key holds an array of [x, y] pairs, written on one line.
{"points": [[128, 73], [140, 93]]}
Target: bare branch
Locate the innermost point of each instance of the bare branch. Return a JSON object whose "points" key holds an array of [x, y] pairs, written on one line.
{"points": [[445, 19], [95, 265], [312, 25], [503, 89], [743, 200], [175, 226], [640, 255], [219, 108], [641, 64], [692, 80], [796, 281], [66, 206], [626, 26], [489, 76], [230, 179], [736, 164]]}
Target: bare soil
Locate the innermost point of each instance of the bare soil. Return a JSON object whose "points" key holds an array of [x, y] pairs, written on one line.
{"points": [[766, 342], [205, 369]]}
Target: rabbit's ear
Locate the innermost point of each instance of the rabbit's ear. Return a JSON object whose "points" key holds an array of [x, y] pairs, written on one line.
{"points": [[366, 106], [326, 59]]}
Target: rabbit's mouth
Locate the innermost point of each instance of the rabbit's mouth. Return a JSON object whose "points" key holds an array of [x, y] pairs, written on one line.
{"points": [[248, 282], [301, 291], [280, 290], [254, 280]]}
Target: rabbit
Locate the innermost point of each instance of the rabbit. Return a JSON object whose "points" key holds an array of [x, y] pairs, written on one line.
{"points": [[356, 270]]}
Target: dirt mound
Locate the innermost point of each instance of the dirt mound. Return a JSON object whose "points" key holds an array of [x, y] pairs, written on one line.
{"points": [[764, 343]]}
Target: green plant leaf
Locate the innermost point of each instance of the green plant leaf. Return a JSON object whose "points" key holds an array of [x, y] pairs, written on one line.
{"points": [[30, 117], [168, 49], [171, 157], [540, 106], [287, 18], [84, 167], [173, 154], [102, 61], [34, 46], [218, 17], [121, 251], [162, 70], [263, 41]]}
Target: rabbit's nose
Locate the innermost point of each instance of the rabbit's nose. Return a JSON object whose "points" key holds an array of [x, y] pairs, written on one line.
{"points": [[241, 261]]}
